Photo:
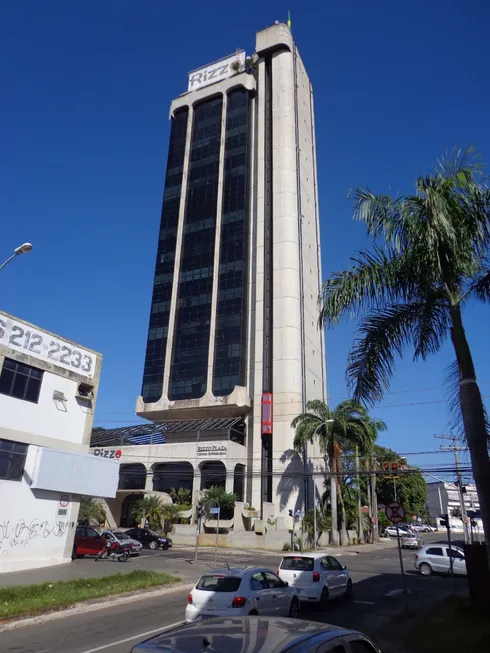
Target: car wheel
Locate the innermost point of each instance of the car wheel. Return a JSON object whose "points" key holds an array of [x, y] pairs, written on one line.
{"points": [[294, 609], [425, 569], [253, 613], [348, 590], [165, 547], [74, 553], [152, 545], [324, 598]]}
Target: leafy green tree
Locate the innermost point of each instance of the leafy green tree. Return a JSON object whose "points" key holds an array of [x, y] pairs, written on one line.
{"points": [[149, 507], [411, 488], [181, 496], [91, 510], [430, 256]]}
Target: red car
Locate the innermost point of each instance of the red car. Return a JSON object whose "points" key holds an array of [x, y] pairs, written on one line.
{"points": [[87, 542]]}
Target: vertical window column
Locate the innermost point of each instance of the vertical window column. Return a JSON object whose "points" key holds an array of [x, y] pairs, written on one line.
{"points": [[188, 370], [230, 350], [164, 267]]}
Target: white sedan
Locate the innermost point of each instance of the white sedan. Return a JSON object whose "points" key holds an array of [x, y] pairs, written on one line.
{"points": [[123, 539], [240, 592]]}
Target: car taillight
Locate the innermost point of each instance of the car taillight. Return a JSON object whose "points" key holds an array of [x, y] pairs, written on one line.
{"points": [[238, 602], [189, 599], [316, 577]]}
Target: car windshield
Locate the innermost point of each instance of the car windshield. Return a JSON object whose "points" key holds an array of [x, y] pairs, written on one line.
{"points": [[298, 563], [218, 583], [121, 536]]}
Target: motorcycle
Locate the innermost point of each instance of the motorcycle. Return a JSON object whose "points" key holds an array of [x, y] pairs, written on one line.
{"points": [[115, 551]]}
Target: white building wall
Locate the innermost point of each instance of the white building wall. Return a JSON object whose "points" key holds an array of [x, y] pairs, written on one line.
{"points": [[37, 526], [33, 533]]}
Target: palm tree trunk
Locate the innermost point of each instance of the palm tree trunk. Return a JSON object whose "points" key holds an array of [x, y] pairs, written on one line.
{"points": [[344, 536], [374, 504], [474, 421], [334, 537]]}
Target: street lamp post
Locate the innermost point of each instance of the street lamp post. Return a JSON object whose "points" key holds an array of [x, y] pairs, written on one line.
{"points": [[22, 249], [327, 421]]}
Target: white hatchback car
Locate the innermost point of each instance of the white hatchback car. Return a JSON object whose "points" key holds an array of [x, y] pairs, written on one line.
{"points": [[240, 592], [317, 577]]}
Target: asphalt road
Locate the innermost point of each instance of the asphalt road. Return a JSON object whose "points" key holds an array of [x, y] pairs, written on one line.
{"points": [[377, 594]]}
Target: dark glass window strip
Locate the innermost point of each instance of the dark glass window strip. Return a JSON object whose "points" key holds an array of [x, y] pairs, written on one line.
{"points": [[231, 321], [164, 268], [20, 381], [191, 341], [12, 460]]}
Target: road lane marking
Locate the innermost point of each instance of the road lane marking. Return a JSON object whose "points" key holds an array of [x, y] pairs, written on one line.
{"points": [[162, 629], [364, 602]]}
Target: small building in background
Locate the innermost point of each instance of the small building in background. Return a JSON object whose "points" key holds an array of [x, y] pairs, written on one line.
{"points": [[443, 498], [48, 390]]}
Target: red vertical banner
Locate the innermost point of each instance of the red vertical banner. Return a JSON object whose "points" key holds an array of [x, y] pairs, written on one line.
{"points": [[267, 413]]}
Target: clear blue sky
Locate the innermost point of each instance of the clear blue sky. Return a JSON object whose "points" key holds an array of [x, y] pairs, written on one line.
{"points": [[84, 128]]}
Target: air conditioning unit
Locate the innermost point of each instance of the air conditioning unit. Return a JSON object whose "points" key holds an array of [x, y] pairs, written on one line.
{"points": [[85, 391]]}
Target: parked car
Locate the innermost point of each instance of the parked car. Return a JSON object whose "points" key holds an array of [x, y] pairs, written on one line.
{"points": [[435, 558], [87, 542], [123, 539], [259, 635], [149, 538], [241, 592], [391, 530], [411, 541], [317, 577]]}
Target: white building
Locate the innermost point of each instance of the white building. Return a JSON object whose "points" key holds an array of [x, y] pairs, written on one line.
{"points": [[444, 498], [48, 389], [233, 327]]}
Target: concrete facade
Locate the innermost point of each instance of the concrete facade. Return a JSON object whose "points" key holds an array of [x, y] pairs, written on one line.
{"points": [[285, 350], [44, 438]]}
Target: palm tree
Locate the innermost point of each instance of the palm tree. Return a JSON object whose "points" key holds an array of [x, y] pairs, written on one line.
{"points": [[334, 429], [429, 258], [170, 514], [149, 507], [217, 497], [91, 510]]}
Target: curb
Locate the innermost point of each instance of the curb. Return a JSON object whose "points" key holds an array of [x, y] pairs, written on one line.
{"points": [[92, 606]]}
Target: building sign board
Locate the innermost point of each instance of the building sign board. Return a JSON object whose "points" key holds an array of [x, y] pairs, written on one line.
{"points": [[108, 453], [44, 346], [212, 450], [214, 72]]}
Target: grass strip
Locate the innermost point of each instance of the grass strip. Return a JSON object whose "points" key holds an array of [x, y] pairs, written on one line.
{"points": [[26, 600]]}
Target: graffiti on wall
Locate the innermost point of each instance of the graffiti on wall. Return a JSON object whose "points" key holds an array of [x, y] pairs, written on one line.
{"points": [[20, 533]]}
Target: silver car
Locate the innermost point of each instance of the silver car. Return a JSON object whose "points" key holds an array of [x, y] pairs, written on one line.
{"points": [[258, 635], [123, 539], [411, 541], [435, 558]]}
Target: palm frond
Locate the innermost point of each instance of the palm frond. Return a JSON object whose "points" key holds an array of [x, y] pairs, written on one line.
{"points": [[480, 287], [371, 361], [432, 326], [382, 216], [374, 278]]}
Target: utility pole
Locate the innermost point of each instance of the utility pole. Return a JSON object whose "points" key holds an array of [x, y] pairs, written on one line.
{"points": [[455, 449], [359, 507]]}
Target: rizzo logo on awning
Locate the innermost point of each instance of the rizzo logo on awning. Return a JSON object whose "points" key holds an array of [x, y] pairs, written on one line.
{"points": [[108, 453]]}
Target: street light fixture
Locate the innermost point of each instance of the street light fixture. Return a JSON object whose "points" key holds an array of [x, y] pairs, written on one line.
{"points": [[22, 249]]}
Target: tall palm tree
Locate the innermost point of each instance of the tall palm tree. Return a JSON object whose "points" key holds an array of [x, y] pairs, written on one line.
{"points": [[170, 513], [91, 510], [430, 256], [333, 429], [217, 497]]}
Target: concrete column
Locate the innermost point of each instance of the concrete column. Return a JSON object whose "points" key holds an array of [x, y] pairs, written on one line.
{"points": [[149, 479], [230, 478]]}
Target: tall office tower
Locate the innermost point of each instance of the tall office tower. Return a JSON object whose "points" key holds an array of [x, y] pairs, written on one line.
{"points": [[233, 334]]}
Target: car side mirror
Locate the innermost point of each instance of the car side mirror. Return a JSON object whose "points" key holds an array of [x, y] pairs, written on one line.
{"points": [[285, 583], [344, 567]]}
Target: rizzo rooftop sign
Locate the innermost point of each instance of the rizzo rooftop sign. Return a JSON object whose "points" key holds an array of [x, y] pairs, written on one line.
{"points": [[108, 453], [215, 72]]}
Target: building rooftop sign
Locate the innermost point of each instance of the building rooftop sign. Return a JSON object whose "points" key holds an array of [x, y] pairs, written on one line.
{"points": [[216, 71]]}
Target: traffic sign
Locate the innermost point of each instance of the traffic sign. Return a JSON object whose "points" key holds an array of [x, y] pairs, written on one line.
{"points": [[64, 500], [214, 510], [395, 512]]}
